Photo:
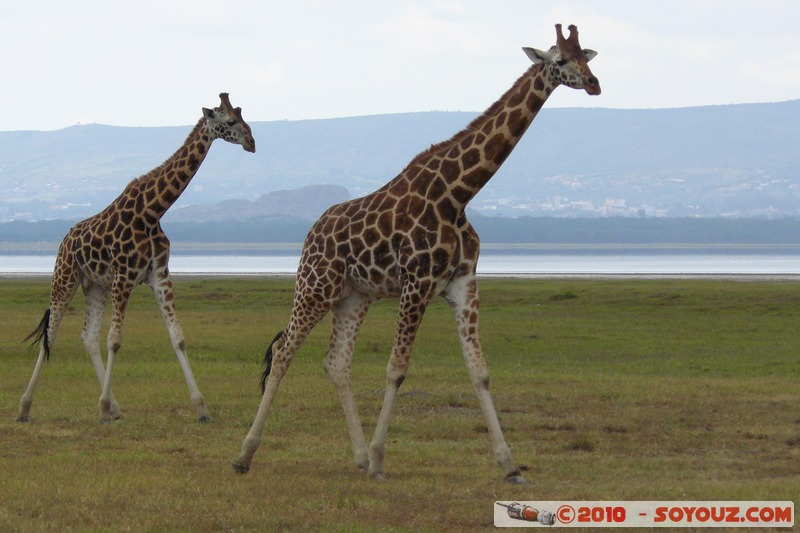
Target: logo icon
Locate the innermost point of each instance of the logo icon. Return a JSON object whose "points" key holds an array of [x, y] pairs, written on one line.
{"points": [[527, 513]]}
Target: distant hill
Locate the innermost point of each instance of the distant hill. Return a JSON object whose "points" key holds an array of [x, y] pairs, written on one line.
{"points": [[30, 237], [306, 203], [729, 161]]}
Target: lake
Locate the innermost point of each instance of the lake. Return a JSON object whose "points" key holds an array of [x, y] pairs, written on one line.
{"points": [[545, 260]]}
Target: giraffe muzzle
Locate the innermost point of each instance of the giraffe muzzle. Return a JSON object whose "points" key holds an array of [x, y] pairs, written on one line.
{"points": [[592, 86]]}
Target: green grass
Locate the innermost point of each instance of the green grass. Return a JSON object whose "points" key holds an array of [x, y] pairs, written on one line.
{"points": [[629, 389]]}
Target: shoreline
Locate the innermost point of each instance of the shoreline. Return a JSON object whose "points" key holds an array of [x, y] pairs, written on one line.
{"points": [[741, 277], [272, 248]]}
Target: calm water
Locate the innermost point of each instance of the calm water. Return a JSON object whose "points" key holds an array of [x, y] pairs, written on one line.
{"points": [[523, 262]]}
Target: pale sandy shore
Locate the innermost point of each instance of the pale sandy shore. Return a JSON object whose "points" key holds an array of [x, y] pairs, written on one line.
{"points": [[531, 276]]}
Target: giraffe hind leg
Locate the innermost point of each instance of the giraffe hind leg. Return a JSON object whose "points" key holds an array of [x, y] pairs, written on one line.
{"points": [[62, 290], [40, 338], [40, 334], [283, 347], [282, 350], [96, 298], [45, 335], [268, 361]]}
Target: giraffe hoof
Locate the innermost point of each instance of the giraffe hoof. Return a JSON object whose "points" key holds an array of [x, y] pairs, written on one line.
{"points": [[204, 419], [240, 469], [517, 480], [378, 476], [23, 419]]}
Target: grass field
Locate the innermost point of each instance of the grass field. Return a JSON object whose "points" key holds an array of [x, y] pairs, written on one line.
{"points": [[607, 390]]}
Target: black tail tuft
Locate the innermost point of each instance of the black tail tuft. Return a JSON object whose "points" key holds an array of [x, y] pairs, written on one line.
{"points": [[40, 334], [268, 362]]}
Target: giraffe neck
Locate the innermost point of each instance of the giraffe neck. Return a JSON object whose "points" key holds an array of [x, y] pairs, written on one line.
{"points": [[152, 194], [461, 166]]}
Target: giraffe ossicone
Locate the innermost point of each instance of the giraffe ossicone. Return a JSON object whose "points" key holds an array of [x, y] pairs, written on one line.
{"points": [[123, 246], [411, 239]]}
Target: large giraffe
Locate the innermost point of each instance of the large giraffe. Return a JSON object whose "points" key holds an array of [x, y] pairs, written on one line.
{"points": [[123, 246], [411, 239]]}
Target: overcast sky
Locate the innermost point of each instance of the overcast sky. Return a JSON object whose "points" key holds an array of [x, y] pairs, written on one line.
{"points": [[157, 62]]}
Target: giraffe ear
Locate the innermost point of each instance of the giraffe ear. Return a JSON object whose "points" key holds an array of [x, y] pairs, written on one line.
{"points": [[590, 54], [208, 113], [537, 56]]}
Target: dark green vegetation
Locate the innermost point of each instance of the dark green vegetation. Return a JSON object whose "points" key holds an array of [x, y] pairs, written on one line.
{"points": [[533, 230], [634, 390]]}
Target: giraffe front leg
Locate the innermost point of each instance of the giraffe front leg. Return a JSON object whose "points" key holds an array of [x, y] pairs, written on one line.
{"points": [[395, 375], [163, 291], [413, 303], [462, 294]]}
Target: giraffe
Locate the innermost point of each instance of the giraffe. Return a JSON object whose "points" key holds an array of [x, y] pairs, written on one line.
{"points": [[124, 246], [411, 239]]}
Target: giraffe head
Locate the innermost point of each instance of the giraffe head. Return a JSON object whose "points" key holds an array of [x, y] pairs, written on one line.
{"points": [[567, 62], [225, 122]]}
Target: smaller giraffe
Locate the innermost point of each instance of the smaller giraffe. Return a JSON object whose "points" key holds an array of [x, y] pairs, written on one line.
{"points": [[123, 246], [411, 240]]}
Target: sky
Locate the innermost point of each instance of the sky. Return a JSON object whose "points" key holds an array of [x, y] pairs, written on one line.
{"points": [[158, 62]]}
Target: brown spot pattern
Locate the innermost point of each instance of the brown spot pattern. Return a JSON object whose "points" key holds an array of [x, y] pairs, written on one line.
{"points": [[410, 238], [123, 245]]}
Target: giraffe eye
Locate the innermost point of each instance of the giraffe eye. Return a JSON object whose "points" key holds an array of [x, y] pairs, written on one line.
{"points": [[561, 62], [231, 123]]}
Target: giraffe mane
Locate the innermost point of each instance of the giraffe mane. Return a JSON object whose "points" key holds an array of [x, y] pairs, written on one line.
{"points": [[476, 123], [160, 168]]}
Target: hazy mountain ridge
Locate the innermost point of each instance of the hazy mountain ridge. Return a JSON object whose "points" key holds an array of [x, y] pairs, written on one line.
{"points": [[305, 203], [736, 160]]}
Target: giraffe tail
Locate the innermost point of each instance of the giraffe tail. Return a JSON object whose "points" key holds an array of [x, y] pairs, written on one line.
{"points": [[40, 334], [268, 362]]}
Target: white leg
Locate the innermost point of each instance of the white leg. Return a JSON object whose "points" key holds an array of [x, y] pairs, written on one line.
{"points": [[27, 397], [96, 298], [61, 293], [163, 290], [413, 302], [283, 350], [348, 316], [462, 294], [120, 292]]}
